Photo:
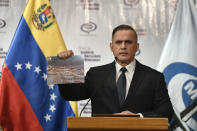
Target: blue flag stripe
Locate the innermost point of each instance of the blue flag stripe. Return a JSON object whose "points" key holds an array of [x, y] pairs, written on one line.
{"points": [[28, 65]]}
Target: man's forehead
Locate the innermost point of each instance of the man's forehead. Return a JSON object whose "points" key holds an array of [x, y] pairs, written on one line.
{"points": [[124, 34]]}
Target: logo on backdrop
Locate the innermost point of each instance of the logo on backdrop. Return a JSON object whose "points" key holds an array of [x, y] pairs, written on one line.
{"points": [[131, 2], [2, 23], [181, 80], [88, 27], [43, 17]]}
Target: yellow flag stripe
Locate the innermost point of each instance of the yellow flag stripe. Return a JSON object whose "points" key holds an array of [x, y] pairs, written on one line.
{"points": [[74, 106], [47, 35]]}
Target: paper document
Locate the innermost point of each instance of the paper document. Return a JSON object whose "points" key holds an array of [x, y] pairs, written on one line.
{"points": [[61, 71]]}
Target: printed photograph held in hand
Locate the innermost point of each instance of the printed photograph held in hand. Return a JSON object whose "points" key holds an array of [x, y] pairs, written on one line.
{"points": [[61, 71]]}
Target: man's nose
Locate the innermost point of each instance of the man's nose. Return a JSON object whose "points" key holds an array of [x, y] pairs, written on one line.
{"points": [[123, 45]]}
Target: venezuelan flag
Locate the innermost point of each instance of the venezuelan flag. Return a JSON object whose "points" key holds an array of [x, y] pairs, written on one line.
{"points": [[27, 103]]}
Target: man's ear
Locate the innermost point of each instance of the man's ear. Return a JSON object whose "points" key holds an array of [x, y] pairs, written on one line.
{"points": [[137, 46], [110, 46]]}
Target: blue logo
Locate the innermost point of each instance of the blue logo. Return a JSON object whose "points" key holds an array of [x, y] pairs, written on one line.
{"points": [[187, 75], [189, 93]]}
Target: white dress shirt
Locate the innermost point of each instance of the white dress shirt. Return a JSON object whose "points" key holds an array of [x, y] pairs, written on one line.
{"points": [[129, 74]]}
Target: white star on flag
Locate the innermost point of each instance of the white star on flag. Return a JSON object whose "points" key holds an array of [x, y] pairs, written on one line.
{"points": [[47, 117], [37, 69], [53, 96], [28, 65], [44, 76], [51, 87], [18, 66], [52, 108]]}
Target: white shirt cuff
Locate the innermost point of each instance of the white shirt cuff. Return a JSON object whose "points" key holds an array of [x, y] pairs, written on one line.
{"points": [[141, 116]]}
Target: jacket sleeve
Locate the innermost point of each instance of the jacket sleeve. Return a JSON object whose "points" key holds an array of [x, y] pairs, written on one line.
{"points": [[162, 104]]}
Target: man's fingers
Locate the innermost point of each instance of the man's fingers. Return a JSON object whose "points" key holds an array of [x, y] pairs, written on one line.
{"points": [[65, 54], [128, 112]]}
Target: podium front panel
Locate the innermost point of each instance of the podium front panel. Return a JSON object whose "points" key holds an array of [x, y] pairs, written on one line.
{"points": [[116, 124]]}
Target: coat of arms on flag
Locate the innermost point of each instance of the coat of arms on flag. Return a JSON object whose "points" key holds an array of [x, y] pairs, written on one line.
{"points": [[43, 17]]}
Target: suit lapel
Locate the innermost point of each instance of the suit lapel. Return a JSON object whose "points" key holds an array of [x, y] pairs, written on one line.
{"points": [[111, 81], [138, 77]]}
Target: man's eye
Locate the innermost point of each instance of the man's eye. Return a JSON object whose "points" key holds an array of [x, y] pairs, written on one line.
{"points": [[128, 42], [118, 42]]}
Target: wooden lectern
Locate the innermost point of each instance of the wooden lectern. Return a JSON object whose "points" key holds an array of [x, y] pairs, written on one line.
{"points": [[116, 124]]}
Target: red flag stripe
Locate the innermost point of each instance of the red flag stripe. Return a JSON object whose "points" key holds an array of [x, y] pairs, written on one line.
{"points": [[12, 103]]}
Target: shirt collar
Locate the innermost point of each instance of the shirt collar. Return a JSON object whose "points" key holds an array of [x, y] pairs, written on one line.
{"points": [[130, 67]]}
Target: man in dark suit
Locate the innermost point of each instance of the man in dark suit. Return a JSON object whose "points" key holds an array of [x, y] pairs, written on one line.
{"points": [[134, 89]]}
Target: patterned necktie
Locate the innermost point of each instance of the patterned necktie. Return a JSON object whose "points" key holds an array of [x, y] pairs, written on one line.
{"points": [[121, 86]]}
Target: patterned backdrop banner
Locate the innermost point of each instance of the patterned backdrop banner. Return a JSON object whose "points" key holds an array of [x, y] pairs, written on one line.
{"points": [[86, 26]]}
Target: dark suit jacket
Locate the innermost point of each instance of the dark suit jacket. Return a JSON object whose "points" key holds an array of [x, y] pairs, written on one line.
{"points": [[147, 94]]}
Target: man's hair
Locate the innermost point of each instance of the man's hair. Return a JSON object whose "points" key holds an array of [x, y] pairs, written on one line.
{"points": [[124, 27]]}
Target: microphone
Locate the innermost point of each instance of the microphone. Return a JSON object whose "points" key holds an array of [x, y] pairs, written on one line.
{"points": [[88, 101], [84, 106]]}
